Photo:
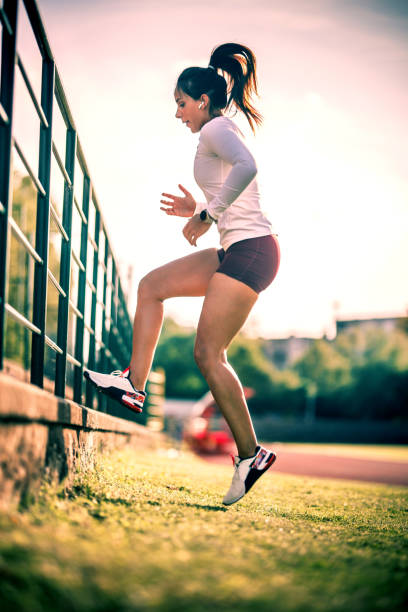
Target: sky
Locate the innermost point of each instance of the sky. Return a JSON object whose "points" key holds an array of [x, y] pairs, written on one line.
{"points": [[331, 154]]}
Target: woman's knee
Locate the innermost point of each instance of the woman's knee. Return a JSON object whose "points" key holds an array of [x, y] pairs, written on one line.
{"points": [[201, 356], [148, 287], [205, 356]]}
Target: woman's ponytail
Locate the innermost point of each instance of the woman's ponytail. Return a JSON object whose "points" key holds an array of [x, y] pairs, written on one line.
{"points": [[239, 63], [234, 87]]}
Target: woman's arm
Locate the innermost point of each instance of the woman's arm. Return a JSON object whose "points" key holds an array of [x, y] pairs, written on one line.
{"points": [[221, 138]]}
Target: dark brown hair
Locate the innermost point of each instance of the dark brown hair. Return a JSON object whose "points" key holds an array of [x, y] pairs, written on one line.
{"points": [[236, 85]]}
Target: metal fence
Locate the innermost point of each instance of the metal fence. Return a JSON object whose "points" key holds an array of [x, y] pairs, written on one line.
{"points": [[61, 301]]}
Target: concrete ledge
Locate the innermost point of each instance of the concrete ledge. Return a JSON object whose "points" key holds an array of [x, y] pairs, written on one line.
{"points": [[43, 436]]}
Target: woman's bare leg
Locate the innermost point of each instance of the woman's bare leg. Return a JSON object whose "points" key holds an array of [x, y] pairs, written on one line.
{"points": [[227, 305], [188, 276]]}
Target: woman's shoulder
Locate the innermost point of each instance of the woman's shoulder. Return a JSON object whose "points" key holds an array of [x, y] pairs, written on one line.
{"points": [[219, 124]]}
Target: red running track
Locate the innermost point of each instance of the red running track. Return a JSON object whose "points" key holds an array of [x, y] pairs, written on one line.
{"points": [[330, 466]]}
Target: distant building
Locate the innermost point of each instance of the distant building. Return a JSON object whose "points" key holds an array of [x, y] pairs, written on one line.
{"points": [[388, 324], [285, 351]]}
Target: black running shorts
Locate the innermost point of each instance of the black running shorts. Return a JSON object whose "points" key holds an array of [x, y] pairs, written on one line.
{"points": [[254, 261]]}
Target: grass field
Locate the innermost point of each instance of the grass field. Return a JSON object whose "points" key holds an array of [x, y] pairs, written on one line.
{"points": [[148, 532]]}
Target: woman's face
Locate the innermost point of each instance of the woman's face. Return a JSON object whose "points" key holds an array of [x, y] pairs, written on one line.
{"points": [[188, 111]]}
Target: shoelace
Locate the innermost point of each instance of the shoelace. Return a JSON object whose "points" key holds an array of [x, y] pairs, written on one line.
{"points": [[239, 459], [120, 373]]}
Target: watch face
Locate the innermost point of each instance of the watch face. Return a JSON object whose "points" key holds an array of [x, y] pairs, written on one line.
{"points": [[203, 215]]}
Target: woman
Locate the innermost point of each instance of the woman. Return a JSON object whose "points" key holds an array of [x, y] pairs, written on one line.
{"points": [[230, 278]]}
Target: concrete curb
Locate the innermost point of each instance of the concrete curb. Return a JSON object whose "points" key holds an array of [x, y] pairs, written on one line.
{"points": [[44, 436]]}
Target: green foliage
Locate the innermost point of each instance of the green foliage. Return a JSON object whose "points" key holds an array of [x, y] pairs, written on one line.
{"points": [[175, 354], [363, 373], [20, 276], [253, 369], [183, 378], [373, 346], [275, 391], [379, 391], [325, 366], [142, 531], [20, 270]]}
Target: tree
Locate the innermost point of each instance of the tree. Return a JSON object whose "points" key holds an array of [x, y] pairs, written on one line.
{"points": [[373, 345], [363, 373], [323, 365], [175, 355], [274, 390], [20, 277], [379, 368]]}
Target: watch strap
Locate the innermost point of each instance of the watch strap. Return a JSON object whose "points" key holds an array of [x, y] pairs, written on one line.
{"points": [[206, 217]]}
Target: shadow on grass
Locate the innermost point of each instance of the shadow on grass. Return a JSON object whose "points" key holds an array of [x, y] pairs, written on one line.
{"points": [[205, 507], [88, 493]]}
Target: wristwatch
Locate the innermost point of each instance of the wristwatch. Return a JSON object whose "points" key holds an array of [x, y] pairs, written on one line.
{"points": [[206, 217]]}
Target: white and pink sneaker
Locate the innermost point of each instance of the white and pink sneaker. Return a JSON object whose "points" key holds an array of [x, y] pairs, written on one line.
{"points": [[118, 386], [247, 472]]}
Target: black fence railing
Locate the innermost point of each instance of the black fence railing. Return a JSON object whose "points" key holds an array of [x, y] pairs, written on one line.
{"points": [[62, 306]]}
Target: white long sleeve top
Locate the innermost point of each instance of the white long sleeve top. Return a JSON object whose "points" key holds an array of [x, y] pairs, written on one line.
{"points": [[225, 171]]}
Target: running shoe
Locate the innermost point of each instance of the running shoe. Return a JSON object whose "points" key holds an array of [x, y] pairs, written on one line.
{"points": [[118, 386], [247, 472]]}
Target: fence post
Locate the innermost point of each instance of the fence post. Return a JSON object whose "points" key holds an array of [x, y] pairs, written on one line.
{"points": [[92, 338], [8, 53], [42, 227], [79, 336], [65, 274], [103, 360]]}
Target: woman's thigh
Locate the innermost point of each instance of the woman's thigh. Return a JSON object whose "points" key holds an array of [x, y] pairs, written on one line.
{"points": [[188, 276], [226, 307]]}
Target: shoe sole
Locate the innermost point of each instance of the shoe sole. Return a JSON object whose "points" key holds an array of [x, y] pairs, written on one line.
{"points": [[256, 475], [113, 393]]}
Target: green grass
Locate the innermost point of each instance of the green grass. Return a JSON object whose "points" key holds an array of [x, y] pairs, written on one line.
{"points": [[148, 532]]}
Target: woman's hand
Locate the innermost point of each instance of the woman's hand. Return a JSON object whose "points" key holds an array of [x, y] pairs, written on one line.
{"points": [[194, 229], [179, 206]]}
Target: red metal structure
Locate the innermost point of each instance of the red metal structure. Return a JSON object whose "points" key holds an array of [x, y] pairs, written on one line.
{"points": [[207, 431]]}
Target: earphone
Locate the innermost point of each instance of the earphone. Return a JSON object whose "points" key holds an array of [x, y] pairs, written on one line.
{"points": [[201, 104]]}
